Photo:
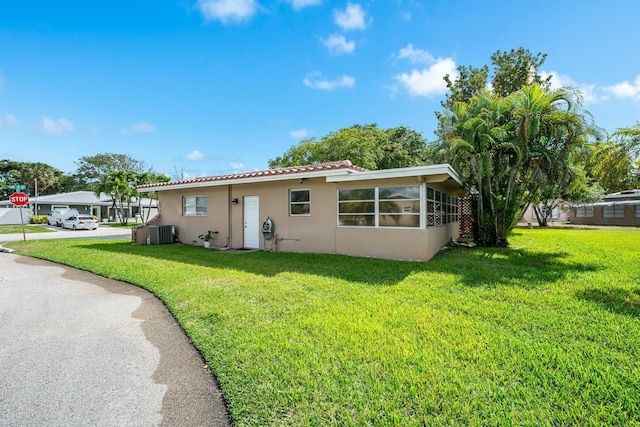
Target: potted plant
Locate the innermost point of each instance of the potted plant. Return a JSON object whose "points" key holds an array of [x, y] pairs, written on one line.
{"points": [[207, 237]]}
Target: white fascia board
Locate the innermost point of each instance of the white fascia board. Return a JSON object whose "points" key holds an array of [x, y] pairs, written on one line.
{"points": [[253, 179], [417, 171]]}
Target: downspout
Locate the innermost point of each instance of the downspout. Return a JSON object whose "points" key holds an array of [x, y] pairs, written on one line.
{"points": [[229, 207]]}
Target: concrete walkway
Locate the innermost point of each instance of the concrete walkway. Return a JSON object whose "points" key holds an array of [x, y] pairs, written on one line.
{"points": [[77, 350]]}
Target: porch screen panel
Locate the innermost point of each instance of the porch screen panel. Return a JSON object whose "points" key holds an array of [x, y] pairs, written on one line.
{"points": [[357, 207], [442, 208], [399, 206]]}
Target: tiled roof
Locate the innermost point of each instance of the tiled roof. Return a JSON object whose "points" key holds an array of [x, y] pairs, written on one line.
{"points": [[342, 164]]}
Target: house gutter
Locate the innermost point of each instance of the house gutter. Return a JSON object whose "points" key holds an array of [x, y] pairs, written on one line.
{"points": [[229, 207]]}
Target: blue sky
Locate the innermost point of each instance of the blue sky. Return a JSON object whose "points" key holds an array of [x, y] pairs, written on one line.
{"points": [[217, 86]]}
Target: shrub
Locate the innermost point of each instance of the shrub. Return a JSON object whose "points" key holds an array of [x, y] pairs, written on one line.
{"points": [[38, 219]]}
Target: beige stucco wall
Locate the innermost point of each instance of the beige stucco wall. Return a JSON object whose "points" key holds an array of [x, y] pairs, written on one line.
{"points": [[318, 232], [188, 228], [313, 233]]}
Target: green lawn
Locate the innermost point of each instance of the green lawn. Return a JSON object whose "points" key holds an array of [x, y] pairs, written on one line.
{"points": [[546, 332], [118, 225], [14, 229]]}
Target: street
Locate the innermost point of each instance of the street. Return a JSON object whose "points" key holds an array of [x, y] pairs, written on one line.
{"points": [[103, 232]]}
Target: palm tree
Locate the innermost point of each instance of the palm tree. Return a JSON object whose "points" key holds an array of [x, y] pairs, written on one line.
{"points": [[549, 127], [507, 149], [118, 184]]}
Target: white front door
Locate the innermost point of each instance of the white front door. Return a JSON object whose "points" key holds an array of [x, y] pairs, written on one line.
{"points": [[251, 222]]}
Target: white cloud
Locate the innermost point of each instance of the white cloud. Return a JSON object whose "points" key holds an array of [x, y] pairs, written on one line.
{"points": [[300, 4], [317, 81], [415, 56], [94, 131], [299, 133], [227, 10], [57, 127], [429, 81], [338, 45], [195, 156], [139, 127], [626, 89], [352, 18], [9, 120], [236, 165], [589, 94]]}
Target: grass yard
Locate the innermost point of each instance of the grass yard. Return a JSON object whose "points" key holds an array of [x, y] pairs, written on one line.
{"points": [[14, 229], [546, 332], [118, 225]]}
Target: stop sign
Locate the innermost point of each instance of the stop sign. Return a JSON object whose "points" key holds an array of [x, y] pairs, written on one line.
{"points": [[19, 199]]}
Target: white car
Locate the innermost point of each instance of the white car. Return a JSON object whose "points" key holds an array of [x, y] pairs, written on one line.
{"points": [[56, 216], [80, 222]]}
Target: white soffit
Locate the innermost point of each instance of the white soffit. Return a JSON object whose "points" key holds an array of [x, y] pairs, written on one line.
{"points": [[441, 172]]}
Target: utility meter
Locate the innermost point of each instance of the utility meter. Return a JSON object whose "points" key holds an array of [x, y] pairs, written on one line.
{"points": [[267, 228]]}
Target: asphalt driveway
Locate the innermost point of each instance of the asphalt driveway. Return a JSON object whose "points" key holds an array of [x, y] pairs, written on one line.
{"points": [[77, 350]]}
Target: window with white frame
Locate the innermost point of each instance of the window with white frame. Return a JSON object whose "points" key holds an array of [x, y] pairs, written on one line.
{"points": [[194, 205], [299, 202], [637, 211], [357, 207], [584, 212], [614, 211], [400, 206]]}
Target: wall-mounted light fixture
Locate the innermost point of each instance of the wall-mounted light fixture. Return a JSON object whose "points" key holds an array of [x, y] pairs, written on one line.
{"points": [[234, 201], [301, 180]]}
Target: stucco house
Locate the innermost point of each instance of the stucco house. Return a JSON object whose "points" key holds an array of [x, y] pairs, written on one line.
{"points": [[334, 207], [621, 208], [559, 214]]}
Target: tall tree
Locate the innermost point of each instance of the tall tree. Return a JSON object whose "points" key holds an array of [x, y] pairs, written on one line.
{"points": [[515, 69], [119, 185], [39, 175], [10, 174], [367, 146], [509, 72], [507, 149], [147, 178], [92, 169]]}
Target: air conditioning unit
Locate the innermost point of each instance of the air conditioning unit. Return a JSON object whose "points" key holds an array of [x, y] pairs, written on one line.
{"points": [[162, 234]]}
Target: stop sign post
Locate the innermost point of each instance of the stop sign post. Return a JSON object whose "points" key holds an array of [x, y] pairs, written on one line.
{"points": [[20, 199]]}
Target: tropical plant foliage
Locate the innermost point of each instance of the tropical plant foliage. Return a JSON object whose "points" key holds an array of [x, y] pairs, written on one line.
{"points": [[508, 149], [367, 146], [120, 185], [615, 163]]}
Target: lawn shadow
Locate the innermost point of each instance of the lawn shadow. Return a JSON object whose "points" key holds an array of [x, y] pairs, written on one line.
{"points": [[508, 266], [616, 300], [473, 267]]}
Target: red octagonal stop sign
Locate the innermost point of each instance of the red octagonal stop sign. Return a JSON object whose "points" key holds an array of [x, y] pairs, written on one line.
{"points": [[19, 199]]}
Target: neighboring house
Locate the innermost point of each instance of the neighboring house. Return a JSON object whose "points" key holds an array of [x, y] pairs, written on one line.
{"points": [[559, 214], [86, 202], [616, 209], [334, 207]]}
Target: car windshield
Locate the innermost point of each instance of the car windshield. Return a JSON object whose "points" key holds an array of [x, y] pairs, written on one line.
{"points": [[85, 217]]}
